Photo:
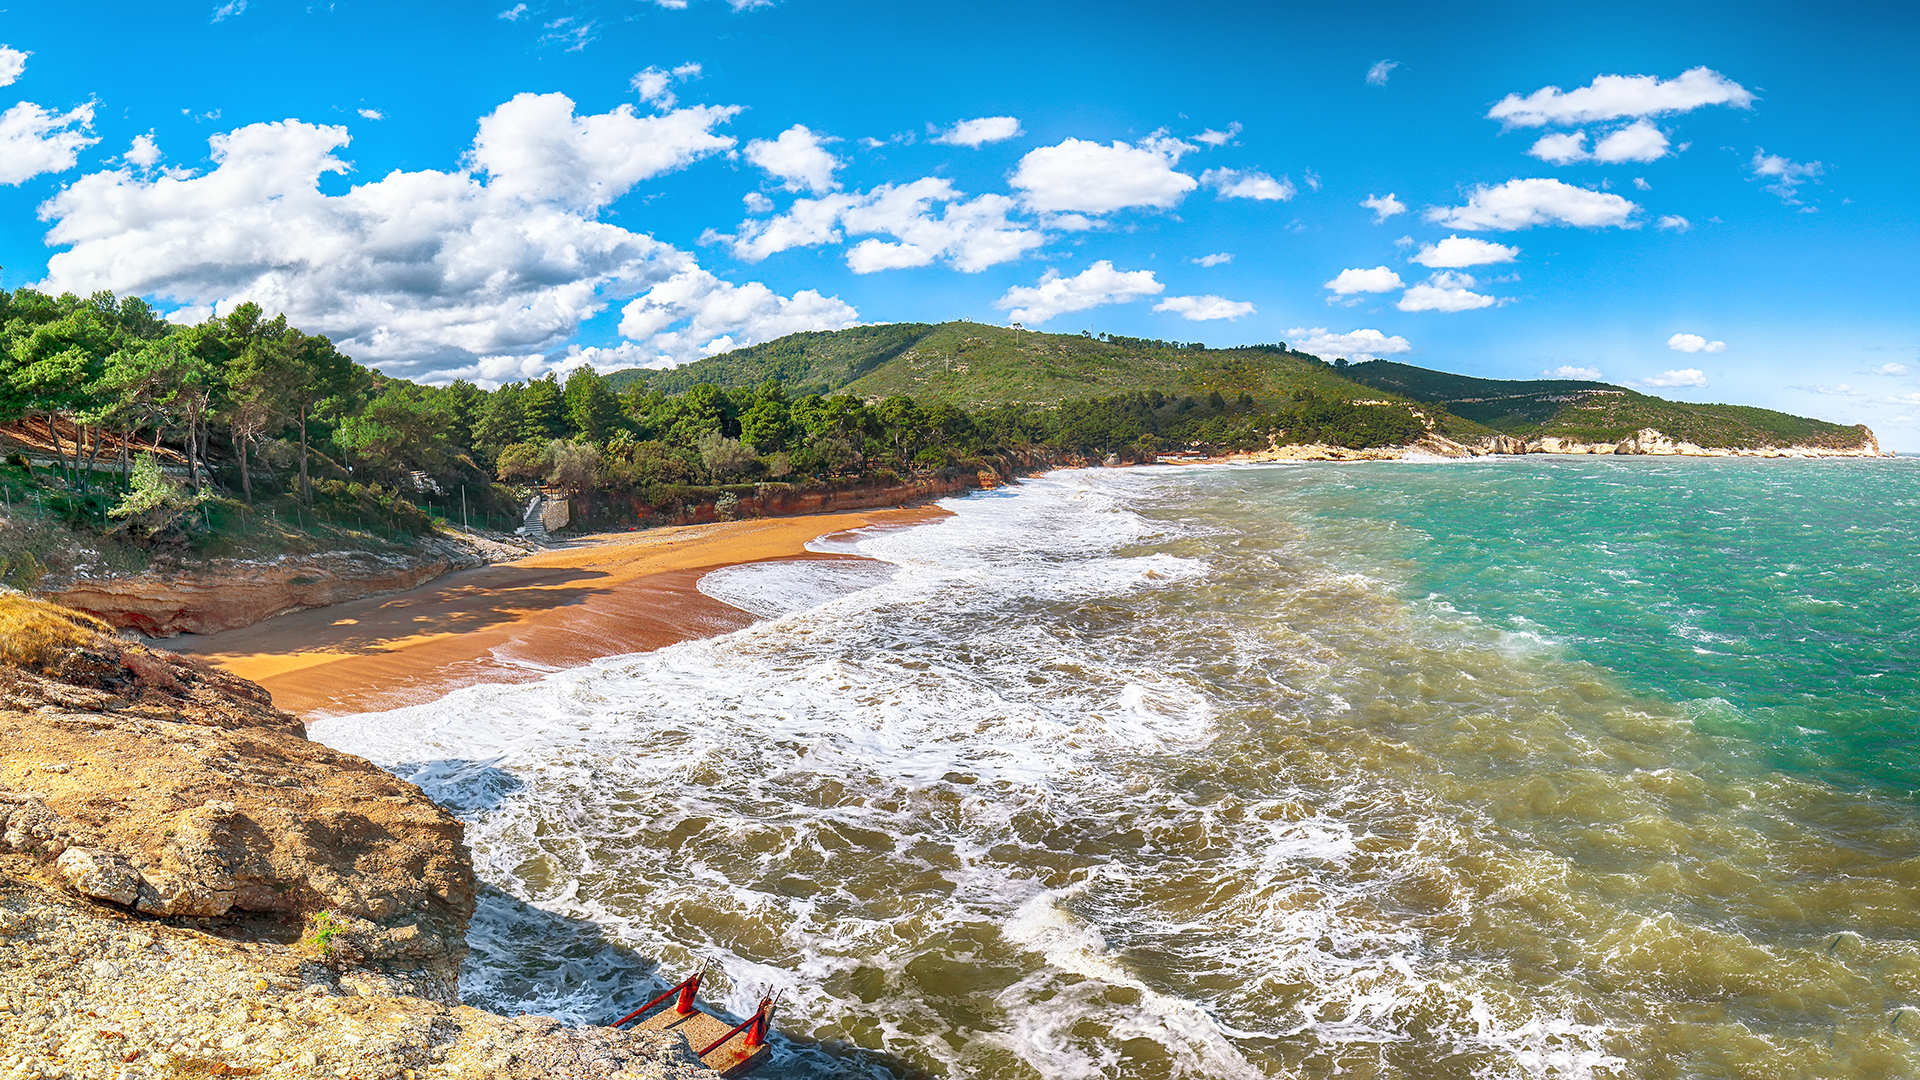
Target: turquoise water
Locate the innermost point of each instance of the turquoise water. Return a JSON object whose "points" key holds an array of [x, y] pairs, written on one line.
{"points": [[1779, 601], [1519, 769]]}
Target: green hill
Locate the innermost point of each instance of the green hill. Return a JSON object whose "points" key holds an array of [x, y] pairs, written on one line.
{"points": [[972, 364], [969, 364], [1597, 412]]}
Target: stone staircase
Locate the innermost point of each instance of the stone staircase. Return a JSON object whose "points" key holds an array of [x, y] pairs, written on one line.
{"points": [[533, 525]]}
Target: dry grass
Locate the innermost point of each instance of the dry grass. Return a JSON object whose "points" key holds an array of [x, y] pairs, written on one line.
{"points": [[36, 634]]}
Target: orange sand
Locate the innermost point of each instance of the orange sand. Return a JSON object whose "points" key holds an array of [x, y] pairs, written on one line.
{"points": [[513, 622]]}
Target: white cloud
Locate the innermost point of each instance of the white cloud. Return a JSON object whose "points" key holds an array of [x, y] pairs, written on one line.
{"points": [[984, 129], [513, 13], [715, 315], [1215, 259], [1218, 138], [1787, 175], [1251, 184], [1460, 251], [1377, 280], [1682, 377], [1357, 345], [371, 114], [1638, 141], [534, 147], [655, 84], [1641, 183], [1521, 204], [13, 64], [1203, 308], [143, 152], [419, 272], [1561, 148], [1377, 74], [1095, 178], [971, 234], [1404, 242], [1613, 96], [797, 158], [35, 141], [1674, 222], [1096, 285], [1383, 208], [1892, 369], [1692, 343], [1445, 291], [228, 10], [1842, 390], [1568, 371]]}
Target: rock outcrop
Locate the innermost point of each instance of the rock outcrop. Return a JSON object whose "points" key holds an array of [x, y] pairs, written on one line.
{"points": [[190, 887]]}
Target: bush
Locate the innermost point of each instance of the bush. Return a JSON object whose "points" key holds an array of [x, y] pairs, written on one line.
{"points": [[36, 634]]}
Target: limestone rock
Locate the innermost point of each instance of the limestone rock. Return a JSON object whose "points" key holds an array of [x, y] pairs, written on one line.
{"points": [[101, 875]]}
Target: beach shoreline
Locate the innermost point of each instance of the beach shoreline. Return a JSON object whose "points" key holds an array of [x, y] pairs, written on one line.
{"points": [[601, 595]]}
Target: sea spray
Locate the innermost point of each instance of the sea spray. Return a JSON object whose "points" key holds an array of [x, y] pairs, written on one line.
{"points": [[1313, 770]]}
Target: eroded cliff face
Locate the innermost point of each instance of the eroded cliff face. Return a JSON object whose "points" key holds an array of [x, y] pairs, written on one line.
{"points": [[231, 593], [1654, 442]]}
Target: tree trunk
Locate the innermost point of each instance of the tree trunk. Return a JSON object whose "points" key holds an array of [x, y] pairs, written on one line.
{"points": [[246, 481], [306, 487], [59, 454], [193, 464]]}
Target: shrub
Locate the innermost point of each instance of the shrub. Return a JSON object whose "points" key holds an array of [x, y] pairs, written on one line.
{"points": [[35, 633]]}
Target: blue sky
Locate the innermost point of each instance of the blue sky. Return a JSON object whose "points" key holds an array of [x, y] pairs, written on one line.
{"points": [[1714, 207]]}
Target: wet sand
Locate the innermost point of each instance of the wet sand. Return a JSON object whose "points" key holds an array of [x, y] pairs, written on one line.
{"points": [[602, 595]]}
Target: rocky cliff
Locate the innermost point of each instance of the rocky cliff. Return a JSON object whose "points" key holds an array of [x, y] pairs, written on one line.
{"points": [[188, 886]]}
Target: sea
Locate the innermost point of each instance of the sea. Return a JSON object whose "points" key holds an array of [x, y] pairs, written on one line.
{"points": [[1523, 767]]}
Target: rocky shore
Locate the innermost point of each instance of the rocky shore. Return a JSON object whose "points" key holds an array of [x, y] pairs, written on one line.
{"points": [[1646, 442], [190, 887]]}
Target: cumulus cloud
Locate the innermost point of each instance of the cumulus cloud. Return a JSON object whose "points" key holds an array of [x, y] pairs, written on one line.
{"points": [[1522, 204], [1456, 252], [371, 114], [1692, 343], [143, 152], [1641, 183], [1219, 138], [1097, 178], [655, 85], [798, 158], [971, 234], [1638, 141], [1674, 222], [1355, 345], [1445, 291], [981, 130], [1610, 97], [694, 314], [513, 13], [1842, 390], [1377, 280], [13, 64], [1383, 208], [421, 272], [1682, 377], [230, 9], [34, 140], [1787, 175], [1892, 369], [1568, 371], [1204, 308], [1251, 184], [1096, 285], [1215, 259], [1377, 74]]}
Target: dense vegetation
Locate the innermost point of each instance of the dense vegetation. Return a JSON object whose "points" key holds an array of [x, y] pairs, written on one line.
{"points": [[244, 434]]}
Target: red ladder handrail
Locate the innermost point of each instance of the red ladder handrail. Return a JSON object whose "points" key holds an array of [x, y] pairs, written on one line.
{"points": [[759, 1021], [686, 989]]}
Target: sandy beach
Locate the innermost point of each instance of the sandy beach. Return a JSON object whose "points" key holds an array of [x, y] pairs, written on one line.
{"points": [[601, 595]]}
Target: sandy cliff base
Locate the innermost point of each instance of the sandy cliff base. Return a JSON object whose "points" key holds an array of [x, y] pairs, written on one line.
{"points": [[602, 596]]}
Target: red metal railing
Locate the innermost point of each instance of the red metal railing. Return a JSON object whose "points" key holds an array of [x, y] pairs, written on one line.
{"points": [[686, 990], [755, 1026]]}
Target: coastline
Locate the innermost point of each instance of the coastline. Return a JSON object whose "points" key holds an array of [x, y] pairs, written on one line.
{"points": [[602, 595]]}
